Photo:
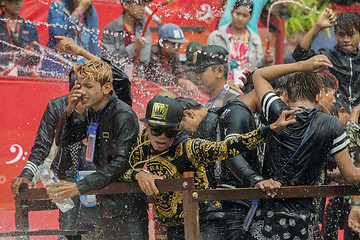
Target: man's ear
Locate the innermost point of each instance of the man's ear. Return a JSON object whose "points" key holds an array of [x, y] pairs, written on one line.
{"points": [[220, 70], [342, 111], [125, 5], [107, 87], [189, 113], [318, 98]]}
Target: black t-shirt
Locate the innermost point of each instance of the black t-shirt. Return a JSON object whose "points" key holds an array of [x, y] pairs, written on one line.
{"points": [[325, 136]]}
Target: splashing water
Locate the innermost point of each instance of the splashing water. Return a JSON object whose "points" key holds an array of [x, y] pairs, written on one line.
{"points": [[286, 1]]}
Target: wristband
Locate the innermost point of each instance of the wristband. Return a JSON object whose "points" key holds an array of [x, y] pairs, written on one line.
{"points": [[78, 11]]}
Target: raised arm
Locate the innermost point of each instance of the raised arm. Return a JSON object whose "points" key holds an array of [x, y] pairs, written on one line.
{"points": [[326, 19], [68, 44], [263, 76]]}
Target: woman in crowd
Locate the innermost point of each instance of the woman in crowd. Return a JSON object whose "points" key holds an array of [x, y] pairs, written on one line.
{"points": [[243, 44], [16, 35]]}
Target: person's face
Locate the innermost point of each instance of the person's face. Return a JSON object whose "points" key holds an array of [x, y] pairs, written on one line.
{"points": [[135, 8], [343, 116], [347, 42], [327, 99], [170, 48], [240, 17], [161, 142], [93, 94], [191, 121], [13, 7], [207, 80]]}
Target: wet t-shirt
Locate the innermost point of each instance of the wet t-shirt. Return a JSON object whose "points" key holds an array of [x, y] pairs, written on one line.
{"points": [[325, 136], [294, 218]]}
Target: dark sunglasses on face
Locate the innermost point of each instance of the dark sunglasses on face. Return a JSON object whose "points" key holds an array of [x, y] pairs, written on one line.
{"points": [[169, 133]]}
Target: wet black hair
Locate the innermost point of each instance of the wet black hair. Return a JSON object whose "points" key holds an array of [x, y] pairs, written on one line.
{"points": [[72, 79], [348, 21], [188, 103], [246, 3], [279, 83], [329, 80]]}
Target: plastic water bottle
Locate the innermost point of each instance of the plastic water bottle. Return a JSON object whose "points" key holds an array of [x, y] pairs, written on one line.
{"points": [[47, 176]]}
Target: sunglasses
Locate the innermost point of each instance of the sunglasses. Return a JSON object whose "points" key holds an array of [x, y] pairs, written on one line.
{"points": [[169, 133]]}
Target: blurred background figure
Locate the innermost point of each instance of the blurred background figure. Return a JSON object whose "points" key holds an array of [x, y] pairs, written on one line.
{"points": [[16, 35]]}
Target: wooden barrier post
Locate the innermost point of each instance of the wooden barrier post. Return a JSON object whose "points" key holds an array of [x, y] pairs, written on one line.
{"points": [[191, 212], [21, 217]]}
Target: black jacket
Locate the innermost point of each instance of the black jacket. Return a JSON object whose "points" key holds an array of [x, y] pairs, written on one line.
{"points": [[45, 135], [233, 119], [346, 68], [117, 130]]}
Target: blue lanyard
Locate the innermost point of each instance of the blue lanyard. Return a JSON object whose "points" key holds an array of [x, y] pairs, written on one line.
{"points": [[226, 87], [97, 120], [307, 130]]}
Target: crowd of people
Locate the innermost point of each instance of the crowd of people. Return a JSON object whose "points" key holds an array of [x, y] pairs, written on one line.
{"points": [[291, 124]]}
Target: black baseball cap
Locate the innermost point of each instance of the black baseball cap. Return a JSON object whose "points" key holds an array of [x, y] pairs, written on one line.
{"points": [[209, 55], [163, 111]]}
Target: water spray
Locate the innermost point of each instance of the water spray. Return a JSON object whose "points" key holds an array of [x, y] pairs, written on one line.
{"points": [[269, 14]]}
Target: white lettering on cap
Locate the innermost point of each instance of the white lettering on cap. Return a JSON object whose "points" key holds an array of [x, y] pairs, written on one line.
{"points": [[177, 34]]}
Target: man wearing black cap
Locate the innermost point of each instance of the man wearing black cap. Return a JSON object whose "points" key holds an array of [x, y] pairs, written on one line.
{"points": [[168, 153], [211, 69], [111, 127]]}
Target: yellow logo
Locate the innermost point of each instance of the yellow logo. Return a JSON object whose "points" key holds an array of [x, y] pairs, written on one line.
{"points": [[159, 111], [195, 57]]}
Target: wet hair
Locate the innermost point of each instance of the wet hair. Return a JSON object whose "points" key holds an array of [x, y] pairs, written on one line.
{"points": [[303, 86], [72, 79], [348, 21], [99, 70], [246, 3], [329, 80], [279, 83], [226, 69], [188, 103]]}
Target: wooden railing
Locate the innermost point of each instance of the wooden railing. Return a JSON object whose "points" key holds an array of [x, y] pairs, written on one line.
{"points": [[37, 200]]}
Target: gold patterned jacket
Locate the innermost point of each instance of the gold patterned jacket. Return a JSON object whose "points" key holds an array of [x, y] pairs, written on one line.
{"points": [[184, 155]]}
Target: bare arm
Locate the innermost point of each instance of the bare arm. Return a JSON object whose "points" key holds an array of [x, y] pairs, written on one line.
{"points": [[350, 173], [263, 76], [68, 44], [354, 115], [326, 19]]}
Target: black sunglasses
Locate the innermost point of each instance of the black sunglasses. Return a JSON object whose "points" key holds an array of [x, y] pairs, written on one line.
{"points": [[169, 133]]}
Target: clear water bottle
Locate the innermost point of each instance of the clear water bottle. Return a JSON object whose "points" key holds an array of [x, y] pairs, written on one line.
{"points": [[47, 176]]}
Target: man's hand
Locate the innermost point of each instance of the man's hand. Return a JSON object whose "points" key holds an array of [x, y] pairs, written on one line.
{"points": [[354, 219], [62, 190], [16, 183], [74, 98], [287, 117], [326, 19], [68, 44], [139, 43], [146, 182], [316, 64], [270, 187]]}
